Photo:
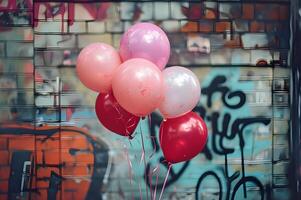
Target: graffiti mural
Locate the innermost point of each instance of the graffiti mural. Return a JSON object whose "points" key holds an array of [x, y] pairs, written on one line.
{"points": [[53, 147], [229, 122], [47, 160]]}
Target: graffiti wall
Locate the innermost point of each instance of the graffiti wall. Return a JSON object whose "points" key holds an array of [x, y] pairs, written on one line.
{"points": [[53, 147]]}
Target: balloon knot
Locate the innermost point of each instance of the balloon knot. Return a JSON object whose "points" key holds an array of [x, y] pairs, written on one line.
{"points": [[131, 137]]}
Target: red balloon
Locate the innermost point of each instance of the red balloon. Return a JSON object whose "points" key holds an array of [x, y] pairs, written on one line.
{"points": [[182, 138], [113, 116]]}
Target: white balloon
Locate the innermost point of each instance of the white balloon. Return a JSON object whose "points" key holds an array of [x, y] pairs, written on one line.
{"points": [[181, 92]]}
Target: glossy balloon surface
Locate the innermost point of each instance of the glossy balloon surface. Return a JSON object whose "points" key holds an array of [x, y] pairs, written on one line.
{"points": [[138, 86], [113, 116], [181, 91], [148, 41], [183, 138], [95, 66]]}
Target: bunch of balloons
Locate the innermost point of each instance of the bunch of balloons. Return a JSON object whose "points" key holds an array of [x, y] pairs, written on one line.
{"points": [[132, 83]]}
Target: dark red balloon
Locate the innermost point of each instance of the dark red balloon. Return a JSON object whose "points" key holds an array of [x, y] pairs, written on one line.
{"points": [[182, 138], [113, 116]]}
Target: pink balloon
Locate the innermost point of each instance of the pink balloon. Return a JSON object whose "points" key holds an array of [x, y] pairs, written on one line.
{"points": [[145, 40], [181, 92], [138, 86], [95, 66]]}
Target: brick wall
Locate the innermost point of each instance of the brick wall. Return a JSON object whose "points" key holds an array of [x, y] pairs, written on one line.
{"points": [[39, 44]]}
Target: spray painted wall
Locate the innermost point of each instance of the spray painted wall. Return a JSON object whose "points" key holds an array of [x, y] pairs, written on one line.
{"points": [[53, 147]]}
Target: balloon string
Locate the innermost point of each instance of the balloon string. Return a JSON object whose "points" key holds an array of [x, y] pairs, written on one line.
{"points": [[140, 191], [130, 169], [165, 180], [143, 155], [155, 192], [153, 138], [154, 145], [127, 124], [120, 118], [130, 124], [149, 179], [149, 120], [175, 190]]}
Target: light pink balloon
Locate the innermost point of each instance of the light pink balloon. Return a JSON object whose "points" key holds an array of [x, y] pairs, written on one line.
{"points": [[145, 40], [138, 86], [95, 66], [181, 92]]}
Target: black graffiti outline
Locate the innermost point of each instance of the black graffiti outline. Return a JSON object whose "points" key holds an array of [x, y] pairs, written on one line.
{"points": [[229, 181], [237, 127], [216, 85]]}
